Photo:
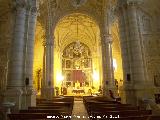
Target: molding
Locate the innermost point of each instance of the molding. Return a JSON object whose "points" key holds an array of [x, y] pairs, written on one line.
{"points": [[134, 2]]}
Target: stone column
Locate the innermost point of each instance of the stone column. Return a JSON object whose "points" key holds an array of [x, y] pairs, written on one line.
{"points": [[15, 81], [107, 60], [47, 87], [135, 77], [108, 74], [29, 52], [44, 71]]}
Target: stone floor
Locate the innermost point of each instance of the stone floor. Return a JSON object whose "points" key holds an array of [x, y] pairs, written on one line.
{"points": [[79, 112]]}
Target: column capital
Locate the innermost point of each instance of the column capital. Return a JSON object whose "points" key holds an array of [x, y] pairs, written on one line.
{"points": [[34, 10], [47, 43], [20, 4], [134, 2], [33, 6], [124, 3]]}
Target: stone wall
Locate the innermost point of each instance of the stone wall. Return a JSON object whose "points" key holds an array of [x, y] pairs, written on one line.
{"points": [[6, 31], [150, 28]]}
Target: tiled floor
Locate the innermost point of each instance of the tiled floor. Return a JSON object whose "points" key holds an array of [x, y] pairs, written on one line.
{"points": [[79, 112]]}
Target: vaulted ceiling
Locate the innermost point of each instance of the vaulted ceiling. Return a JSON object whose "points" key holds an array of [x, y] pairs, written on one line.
{"points": [[77, 27], [65, 7]]}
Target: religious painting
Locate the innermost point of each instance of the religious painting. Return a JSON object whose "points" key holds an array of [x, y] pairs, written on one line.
{"points": [[77, 75], [68, 64]]}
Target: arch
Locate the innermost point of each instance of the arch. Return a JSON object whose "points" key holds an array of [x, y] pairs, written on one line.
{"points": [[87, 32], [80, 15], [90, 14]]}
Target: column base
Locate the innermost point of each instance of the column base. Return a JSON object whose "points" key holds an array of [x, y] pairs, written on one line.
{"points": [[47, 93], [29, 98], [133, 94], [23, 98], [13, 95], [112, 88]]}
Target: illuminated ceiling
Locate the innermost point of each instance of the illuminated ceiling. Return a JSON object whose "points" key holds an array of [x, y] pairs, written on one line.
{"points": [[77, 27]]}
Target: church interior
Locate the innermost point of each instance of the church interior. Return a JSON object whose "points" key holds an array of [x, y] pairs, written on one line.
{"points": [[84, 59]]}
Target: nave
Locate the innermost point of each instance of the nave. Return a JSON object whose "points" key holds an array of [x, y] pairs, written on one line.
{"points": [[52, 48], [82, 108]]}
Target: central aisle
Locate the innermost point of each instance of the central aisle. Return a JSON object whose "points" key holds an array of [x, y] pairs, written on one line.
{"points": [[79, 112]]}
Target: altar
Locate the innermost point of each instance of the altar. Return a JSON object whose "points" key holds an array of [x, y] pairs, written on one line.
{"points": [[78, 91]]}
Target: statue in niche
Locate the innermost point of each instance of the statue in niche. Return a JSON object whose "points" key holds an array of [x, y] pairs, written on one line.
{"points": [[67, 52], [77, 64], [68, 64], [68, 76]]}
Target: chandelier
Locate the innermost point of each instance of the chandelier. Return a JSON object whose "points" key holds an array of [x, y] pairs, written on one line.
{"points": [[78, 47], [78, 3]]}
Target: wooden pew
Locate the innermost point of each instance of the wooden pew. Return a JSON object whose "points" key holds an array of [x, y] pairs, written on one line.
{"points": [[129, 118], [58, 106], [90, 106], [58, 99], [48, 107], [69, 104], [153, 117], [120, 114], [46, 111], [101, 107], [37, 116], [2, 114]]}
